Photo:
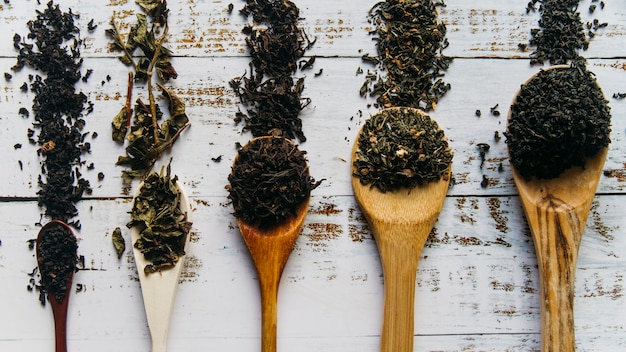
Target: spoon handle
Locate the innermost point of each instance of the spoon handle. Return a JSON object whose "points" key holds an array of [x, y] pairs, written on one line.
{"points": [[59, 311], [399, 260], [557, 231], [269, 312]]}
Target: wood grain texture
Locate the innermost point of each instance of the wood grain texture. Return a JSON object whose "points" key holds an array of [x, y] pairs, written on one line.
{"points": [[477, 285], [556, 211]]}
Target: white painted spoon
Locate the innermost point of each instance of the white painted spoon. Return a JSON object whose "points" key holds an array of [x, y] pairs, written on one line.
{"points": [[159, 289]]}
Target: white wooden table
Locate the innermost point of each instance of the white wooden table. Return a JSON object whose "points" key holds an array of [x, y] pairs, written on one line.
{"points": [[477, 283]]}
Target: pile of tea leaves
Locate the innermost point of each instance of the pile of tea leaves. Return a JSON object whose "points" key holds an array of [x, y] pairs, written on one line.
{"points": [[56, 258], [561, 34], [139, 125], [401, 148], [52, 48], [268, 181], [559, 119], [163, 226], [271, 96], [410, 64]]}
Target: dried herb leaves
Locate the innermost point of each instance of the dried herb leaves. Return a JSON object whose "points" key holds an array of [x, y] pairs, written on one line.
{"points": [[409, 41], [401, 148], [269, 179], [158, 216], [559, 119], [147, 140]]}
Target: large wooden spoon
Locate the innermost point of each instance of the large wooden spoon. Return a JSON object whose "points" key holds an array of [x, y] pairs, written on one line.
{"points": [[556, 210], [401, 222], [59, 308], [159, 289]]}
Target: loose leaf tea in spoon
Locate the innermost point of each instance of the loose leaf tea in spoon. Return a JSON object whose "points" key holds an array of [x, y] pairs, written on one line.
{"points": [[156, 211], [56, 257], [559, 119], [269, 180], [401, 148]]}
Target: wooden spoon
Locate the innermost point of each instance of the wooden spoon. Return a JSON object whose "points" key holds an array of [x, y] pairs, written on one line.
{"points": [[556, 210], [159, 289], [401, 222], [59, 309], [270, 249]]}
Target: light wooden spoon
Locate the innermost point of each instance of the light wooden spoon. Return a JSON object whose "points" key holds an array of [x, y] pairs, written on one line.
{"points": [[59, 309], [556, 210], [401, 222], [159, 289]]}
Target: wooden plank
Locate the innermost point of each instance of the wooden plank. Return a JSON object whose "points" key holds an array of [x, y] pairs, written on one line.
{"points": [[330, 123], [477, 276]]}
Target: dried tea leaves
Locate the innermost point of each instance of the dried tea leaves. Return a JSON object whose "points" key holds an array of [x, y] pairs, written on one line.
{"points": [[147, 140], [158, 216], [142, 36], [268, 181], [559, 119], [270, 95], [409, 41], [561, 33], [118, 242], [401, 148], [56, 258], [57, 107]]}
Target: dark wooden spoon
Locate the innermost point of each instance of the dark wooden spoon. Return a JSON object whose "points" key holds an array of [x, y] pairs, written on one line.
{"points": [[59, 308]]}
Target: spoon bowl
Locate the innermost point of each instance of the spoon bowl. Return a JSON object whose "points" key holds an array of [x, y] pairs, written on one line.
{"points": [[59, 308], [401, 221], [159, 289], [556, 210]]}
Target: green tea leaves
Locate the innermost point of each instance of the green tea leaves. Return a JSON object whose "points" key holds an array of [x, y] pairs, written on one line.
{"points": [[163, 227], [401, 148], [118, 242]]}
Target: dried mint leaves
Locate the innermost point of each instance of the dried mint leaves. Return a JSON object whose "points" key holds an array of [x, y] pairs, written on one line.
{"points": [[401, 148], [558, 120], [268, 181], [139, 125], [158, 216]]}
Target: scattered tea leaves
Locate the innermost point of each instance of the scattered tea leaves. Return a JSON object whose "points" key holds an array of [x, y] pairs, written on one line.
{"points": [[409, 41], [270, 95], [118, 242], [561, 34], [57, 108]]}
